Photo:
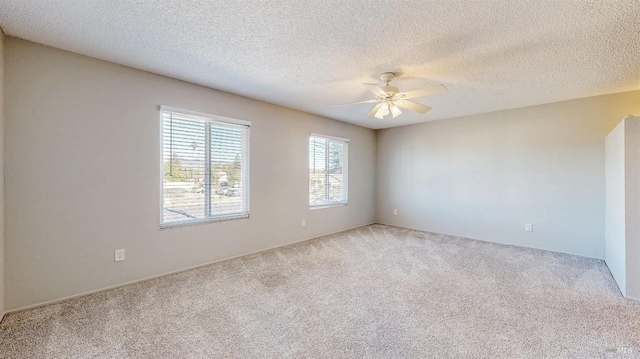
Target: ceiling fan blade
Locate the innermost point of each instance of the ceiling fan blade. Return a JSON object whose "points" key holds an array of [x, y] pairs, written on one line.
{"points": [[376, 90], [355, 103], [412, 106], [373, 112], [427, 91]]}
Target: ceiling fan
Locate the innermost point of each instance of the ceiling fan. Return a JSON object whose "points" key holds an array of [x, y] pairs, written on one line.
{"points": [[390, 99]]}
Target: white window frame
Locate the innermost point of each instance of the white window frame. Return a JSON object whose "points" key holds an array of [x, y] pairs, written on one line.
{"points": [[345, 170], [211, 119]]}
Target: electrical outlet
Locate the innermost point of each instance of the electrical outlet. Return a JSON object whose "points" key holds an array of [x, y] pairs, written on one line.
{"points": [[395, 212], [528, 227], [119, 255], [304, 222]]}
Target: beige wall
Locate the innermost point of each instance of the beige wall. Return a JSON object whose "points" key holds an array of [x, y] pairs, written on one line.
{"points": [[632, 206], [485, 176], [615, 234], [82, 176], [2, 307], [622, 226]]}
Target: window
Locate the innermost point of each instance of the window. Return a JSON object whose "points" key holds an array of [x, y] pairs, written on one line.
{"points": [[327, 171], [205, 167]]}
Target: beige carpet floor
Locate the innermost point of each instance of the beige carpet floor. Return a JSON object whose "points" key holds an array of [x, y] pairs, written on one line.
{"points": [[372, 292]]}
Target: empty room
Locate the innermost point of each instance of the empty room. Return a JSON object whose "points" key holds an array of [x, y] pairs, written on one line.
{"points": [[320, 179]]}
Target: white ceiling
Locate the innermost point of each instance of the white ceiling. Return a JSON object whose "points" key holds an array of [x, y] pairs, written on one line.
{"points": [[492, 55]]}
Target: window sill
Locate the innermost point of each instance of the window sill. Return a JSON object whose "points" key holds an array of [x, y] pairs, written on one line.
{"points": [[328, 205], [195, 222]]}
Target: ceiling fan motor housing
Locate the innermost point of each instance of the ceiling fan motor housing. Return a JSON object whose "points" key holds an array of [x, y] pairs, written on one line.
{"points": [[389, 90], [386, 77]]}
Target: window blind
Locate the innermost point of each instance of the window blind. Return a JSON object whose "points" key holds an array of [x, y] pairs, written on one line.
{"points": [[327, 171], [205, 174]]}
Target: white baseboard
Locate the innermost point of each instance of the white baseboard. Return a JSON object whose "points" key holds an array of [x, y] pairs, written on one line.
{"points": [[38, 305], [488, 241]]}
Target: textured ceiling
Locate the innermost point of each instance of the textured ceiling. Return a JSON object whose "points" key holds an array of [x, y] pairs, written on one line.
{"points": [[492, 55]]}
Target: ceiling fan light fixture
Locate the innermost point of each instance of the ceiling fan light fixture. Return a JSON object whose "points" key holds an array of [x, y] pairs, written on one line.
{"points": [[383, 111], [395, 111]]}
